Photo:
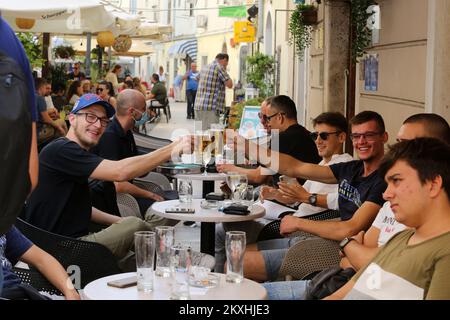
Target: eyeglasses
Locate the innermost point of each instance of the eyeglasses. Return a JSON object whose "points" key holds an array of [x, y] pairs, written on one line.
{"points": [[323, 135], [369, 136], [267, 118], [92, 118], [99, 89]]}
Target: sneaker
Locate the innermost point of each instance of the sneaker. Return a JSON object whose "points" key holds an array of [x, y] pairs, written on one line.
{"points": [[203, 260]]}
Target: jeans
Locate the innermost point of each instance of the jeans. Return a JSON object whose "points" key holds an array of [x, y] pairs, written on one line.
{"points": [[286, 290], [190, 96]]}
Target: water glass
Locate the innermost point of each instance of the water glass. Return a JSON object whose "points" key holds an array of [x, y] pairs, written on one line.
{"points": [[185, 191], [164, 241], [235, 243], [249, 195], [144, 244], [180, 262]]}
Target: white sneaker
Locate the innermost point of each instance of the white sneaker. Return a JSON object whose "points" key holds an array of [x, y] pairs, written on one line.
{"points": [[203, 260]]}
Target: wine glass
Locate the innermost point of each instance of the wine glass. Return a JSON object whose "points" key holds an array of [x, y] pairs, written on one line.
{"points": [[206, 157]]}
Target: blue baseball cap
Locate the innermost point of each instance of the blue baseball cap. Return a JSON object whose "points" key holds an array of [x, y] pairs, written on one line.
{"points": [[88, 100]]}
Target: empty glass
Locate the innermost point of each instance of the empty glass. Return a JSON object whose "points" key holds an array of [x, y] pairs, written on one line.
{"points": [[164, 241], [180, 262], [144, 244], [235, 243], [185, 191]]}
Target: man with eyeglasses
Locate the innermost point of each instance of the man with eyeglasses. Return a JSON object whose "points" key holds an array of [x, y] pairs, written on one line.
{"points": [[358, 250], [118, 143], [360, 196], [61, 202]]}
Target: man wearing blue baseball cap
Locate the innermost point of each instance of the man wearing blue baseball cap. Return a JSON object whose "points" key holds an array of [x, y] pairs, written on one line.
{"points": [[61, 202]]}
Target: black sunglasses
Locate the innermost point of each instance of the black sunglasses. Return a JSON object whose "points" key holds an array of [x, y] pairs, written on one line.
{"points": [[99, 89], [323, 135]]}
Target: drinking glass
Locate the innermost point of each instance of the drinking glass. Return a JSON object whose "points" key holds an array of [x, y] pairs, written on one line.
{"points": [[164, 241], [180, 262], [144, 244], [235, 243], [185, 191]]}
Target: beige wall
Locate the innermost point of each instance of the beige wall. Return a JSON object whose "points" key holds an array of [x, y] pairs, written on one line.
{"points": [[402, 54]]}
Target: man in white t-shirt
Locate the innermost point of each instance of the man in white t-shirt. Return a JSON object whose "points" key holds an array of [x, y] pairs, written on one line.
{"points": [[358, 250], [329, 136]]}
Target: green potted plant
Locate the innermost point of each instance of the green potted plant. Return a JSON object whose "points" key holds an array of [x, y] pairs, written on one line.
{"points": [[300, 27], [260, 69], [64, 52], [32, 47], [362, 35]]}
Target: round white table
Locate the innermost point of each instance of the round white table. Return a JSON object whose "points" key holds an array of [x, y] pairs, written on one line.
{"points": [[246, 290], [208, 218]]}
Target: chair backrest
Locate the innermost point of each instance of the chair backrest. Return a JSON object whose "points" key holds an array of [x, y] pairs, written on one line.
{"points": [[35, 279], [87, 261], [157, 178], [149, 186], [128, 206]]}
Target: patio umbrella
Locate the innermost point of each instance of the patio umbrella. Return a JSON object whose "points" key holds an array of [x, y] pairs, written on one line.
{"points": [[69, 16]]}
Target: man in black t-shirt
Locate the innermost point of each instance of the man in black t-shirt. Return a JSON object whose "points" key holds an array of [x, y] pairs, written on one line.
{"points": [[118, 143], [61, 202], [279, 114], [360, 196]]}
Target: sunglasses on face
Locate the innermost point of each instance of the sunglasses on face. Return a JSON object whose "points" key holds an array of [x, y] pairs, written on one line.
{"points": [[368, 136], [323, 135], [100, 89]]}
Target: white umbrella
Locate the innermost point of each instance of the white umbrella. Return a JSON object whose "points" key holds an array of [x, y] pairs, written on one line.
{"points": [[69, 16]]}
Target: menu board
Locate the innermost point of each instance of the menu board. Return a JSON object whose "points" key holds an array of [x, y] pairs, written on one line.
{"points": [[251, 126]]}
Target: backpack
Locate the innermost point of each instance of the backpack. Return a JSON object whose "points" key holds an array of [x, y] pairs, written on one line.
{"points": [[15, 141]]}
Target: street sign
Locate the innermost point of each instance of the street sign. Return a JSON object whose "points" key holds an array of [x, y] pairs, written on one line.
{"points": [[232, 11], [244, 31]]}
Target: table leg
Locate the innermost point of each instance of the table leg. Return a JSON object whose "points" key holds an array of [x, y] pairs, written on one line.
{"points": [[208, 238]]}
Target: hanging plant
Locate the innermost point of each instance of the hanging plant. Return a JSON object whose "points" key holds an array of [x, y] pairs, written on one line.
{"points": [[260, 69], [64, 52], [362, 34], [300, 28]]}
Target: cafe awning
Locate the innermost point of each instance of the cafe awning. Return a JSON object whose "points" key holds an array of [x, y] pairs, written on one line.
{"points": [[184, 47]]}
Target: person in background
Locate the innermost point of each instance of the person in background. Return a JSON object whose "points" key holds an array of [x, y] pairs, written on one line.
{"points": [[158, 94], [87, 86], [139, 86], [112, 76], [210, 99], [162, 76], [75, 92], [105, 91], [192, 77], [58, 96], [76, 73]]}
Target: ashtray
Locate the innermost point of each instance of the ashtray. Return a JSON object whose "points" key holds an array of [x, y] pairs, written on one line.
{"points": [[209, 204], [202, 277]]}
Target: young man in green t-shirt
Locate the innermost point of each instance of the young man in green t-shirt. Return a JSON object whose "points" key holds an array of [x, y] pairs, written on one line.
{"points": [[414, 263]]}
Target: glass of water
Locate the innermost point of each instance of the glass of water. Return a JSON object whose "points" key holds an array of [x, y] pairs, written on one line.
{"points": [[185, 191], [144, 244]]}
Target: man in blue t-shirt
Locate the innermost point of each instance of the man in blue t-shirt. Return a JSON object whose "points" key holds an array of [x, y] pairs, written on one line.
{"points": [[360, 196], [16, 136], [14, 246], [192, 77]]}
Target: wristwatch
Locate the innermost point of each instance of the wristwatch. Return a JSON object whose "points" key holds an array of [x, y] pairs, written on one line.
{"points": [[344, 242], [312, 199]]}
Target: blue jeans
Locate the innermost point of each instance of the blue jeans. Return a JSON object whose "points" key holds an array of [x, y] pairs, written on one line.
{"points": [[286, 290]]}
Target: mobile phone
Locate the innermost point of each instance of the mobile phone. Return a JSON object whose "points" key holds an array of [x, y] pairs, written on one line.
{"points": [[288, 180], [123, 283], [180, 210]]}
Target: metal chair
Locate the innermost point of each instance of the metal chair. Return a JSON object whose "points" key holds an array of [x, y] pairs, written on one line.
{"points": [[92, 259], [165, 107], [156, 178], [128, 206], [272, 229]]}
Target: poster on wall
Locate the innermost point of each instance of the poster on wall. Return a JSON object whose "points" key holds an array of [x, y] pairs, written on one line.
{"points": [[250, 126], [371, 72]]}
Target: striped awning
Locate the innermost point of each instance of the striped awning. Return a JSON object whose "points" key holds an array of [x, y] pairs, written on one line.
{"points": [[182, 48]]}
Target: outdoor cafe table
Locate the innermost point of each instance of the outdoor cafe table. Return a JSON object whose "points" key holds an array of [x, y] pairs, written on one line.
{"points": [[246, 290], [208, 218]]}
